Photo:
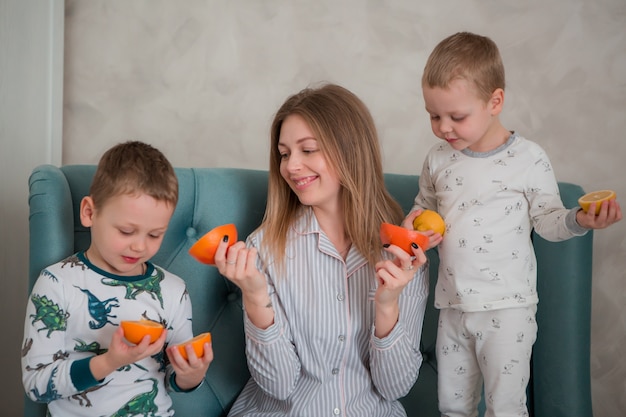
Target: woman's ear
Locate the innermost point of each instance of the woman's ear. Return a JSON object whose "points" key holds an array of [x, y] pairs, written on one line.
{"points": [[496, 102], [87, 211]]}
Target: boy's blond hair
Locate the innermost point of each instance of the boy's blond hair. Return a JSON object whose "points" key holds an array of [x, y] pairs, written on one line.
{"points": [[467, 56], [134, 168]]}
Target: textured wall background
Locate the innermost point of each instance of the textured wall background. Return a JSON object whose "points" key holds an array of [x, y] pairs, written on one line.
{"points": [[201, 80]]}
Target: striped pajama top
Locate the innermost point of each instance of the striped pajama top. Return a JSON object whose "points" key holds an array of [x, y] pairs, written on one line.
{"points": [[320, 357]]}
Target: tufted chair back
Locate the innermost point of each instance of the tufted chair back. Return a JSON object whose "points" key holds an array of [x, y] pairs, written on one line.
{"points": [[213, 196]]}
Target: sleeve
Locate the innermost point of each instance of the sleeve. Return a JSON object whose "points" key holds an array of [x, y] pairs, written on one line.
{"points": [[396, 359], [550, 219], [272, 359], [426, 197], [179, 327], [46, 364]]}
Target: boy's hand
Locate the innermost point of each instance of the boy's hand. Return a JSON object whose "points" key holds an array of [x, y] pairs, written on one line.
{"points": [[120, 353], [189, 373], [610, 212], [433, 238]]}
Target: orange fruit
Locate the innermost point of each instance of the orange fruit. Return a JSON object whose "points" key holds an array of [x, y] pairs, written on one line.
{"points": [[401, 237], [204, 249], [595, 196], [197, 343], [429, 220], [135, 330]]}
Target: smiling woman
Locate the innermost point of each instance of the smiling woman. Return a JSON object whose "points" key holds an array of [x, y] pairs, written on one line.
{"points": [[326, 201]]}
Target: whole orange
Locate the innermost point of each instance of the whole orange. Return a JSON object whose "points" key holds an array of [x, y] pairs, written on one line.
{"points": [[401, 237], [204, 249], [430, 220], [197, 343], [135, 330]]}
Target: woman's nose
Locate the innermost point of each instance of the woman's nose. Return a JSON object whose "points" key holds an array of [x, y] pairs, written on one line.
{"points": [[294, 162]]}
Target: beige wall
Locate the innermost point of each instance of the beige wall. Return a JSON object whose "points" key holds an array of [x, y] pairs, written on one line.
{"points": [[31, 83], [201, 80]]}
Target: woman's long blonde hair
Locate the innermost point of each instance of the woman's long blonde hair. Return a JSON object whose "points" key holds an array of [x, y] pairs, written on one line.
{"points": [[346, 134]]}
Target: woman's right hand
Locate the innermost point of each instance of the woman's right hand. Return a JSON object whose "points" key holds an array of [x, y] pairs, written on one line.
{"points": [[238, 264]]}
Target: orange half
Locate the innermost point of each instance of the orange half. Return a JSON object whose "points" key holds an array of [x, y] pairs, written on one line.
{"points": [[595, 196], [204, 249], [401, 237], [135, 330], [197, 343]]}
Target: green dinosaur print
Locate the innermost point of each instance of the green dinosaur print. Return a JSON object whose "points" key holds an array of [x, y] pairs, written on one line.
{"points": [[141, 404], [93, 347], [151, 285], [49, 313]]}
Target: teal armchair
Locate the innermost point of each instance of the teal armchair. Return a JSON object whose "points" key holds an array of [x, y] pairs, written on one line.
{"points": [[560, 384]]}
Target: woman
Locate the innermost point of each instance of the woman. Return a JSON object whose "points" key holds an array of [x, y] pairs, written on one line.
{"points": [[332, 318]]}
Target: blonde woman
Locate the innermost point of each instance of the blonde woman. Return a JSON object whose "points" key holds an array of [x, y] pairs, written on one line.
{"points": [[332, 318]]}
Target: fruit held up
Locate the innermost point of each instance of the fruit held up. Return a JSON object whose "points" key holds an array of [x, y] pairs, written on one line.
{"points": [[401, 237], [429, 220], [595, 197], [135, 330], [197, 343], [204, 249]]}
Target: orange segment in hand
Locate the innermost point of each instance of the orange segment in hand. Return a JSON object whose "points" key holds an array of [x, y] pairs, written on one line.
{"points": [[429, 220], [197, 343], [204, 249], [401, 237], [135, 330], [595, 196]]}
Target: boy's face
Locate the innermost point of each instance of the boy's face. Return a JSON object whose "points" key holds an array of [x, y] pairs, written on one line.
{"points": [[125, 232], [464, 120]]}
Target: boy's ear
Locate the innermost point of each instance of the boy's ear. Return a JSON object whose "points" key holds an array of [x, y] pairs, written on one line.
{"points": [[87, 211], [496, 102]]}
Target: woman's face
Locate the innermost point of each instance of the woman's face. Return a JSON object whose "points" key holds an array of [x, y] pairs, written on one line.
{"points": [[304, 167]]}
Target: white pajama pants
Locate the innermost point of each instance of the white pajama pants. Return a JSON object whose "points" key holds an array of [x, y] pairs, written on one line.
{"points": [[490, 347]]}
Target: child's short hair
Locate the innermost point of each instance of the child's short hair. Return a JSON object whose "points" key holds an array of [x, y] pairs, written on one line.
{"points": [[465, 56], [134, 167]]}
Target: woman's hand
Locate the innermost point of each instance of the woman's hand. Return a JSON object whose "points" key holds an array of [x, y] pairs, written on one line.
{"points": [[238, 264], [393, 276]]}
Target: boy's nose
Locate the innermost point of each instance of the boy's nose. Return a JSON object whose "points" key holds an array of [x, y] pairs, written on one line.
{"points": [[138, 244], [445, 127]]}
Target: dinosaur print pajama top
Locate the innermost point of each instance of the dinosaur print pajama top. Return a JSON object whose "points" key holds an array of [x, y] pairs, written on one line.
{"points": [[72, 313]]}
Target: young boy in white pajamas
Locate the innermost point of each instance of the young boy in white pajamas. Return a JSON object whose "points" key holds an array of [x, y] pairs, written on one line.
{"points": [[492, 187], [75, 358]]}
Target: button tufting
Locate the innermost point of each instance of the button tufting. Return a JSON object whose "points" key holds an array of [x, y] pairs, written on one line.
{"points": [[191, 232], [232, 297]]}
